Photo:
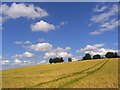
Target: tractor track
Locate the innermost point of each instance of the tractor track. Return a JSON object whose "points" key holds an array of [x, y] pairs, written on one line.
{"points": [[88, 73], [70, 75]]}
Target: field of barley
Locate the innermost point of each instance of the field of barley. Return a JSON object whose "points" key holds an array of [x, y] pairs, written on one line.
{"points": [[102, 73]]}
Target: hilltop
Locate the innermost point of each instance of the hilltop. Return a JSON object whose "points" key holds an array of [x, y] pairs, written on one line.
{"points": [[100, 73]]}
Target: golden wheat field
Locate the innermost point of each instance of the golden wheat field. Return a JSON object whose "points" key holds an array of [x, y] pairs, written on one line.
{"points": [[101, 73]]}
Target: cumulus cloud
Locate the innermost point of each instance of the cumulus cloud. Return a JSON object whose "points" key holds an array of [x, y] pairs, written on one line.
{"points": [[106, 21], [64, 54], [76, 58], [22, 10], [17, 61], [90, 47], [28, 54], [23, 42], [41, 47], [25, 54], [4, 62], [58, 52], [95, 49], [23, 62], [50, 54], [42, 26]]}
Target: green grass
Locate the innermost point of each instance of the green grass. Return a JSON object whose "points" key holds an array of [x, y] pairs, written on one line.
{"points": [[101, 73]]}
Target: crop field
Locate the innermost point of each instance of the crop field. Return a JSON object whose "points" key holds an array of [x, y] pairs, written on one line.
{"points": [[101, 73]]}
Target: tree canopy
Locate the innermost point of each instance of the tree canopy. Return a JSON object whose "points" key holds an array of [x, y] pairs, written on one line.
{"points": [[69, 59], [56, 60], [97, 56], [87, 56], [111, 55]]}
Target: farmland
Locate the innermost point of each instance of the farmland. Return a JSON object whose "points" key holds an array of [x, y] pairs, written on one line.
{"points": [[101, 73]]}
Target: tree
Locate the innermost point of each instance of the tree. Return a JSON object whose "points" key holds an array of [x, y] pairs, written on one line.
{"points": [[87, 56], [69, 60], [50, 60], [109, 55], [61, 59], [116, 55], [56, 60], [97, 56]]}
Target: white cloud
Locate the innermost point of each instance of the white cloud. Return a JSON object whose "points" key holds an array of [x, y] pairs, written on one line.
{"points": [[5, 62], [23, 42], [58, 52], [50, 54], [107, 20], [25, 54], [106, 15], [17, 56], [95, 49], [26, 62], [64, 54], [41, 62], [61, 24], [42, 26], [90, 47], [76, 58], [22, 10], [17, 61], [106, 26], [63, 49], [99, 8], [41, 47], [28, 54]]}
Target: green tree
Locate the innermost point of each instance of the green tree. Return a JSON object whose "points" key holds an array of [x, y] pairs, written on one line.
{"points": [[69, 59], [56, 60], [87, 56], [109, 55], [97, 56], [61, 59], [50, 60], [116, 55]]}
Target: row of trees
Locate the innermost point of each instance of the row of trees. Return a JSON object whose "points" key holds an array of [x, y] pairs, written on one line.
{"points": [[56, 60], [86, 57], [97, 56]]}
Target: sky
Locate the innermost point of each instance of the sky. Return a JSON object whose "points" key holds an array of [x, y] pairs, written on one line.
{"points": [[34, 32]]}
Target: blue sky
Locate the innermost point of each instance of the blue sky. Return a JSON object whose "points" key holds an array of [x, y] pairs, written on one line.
{"points": [[34, 32]]}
